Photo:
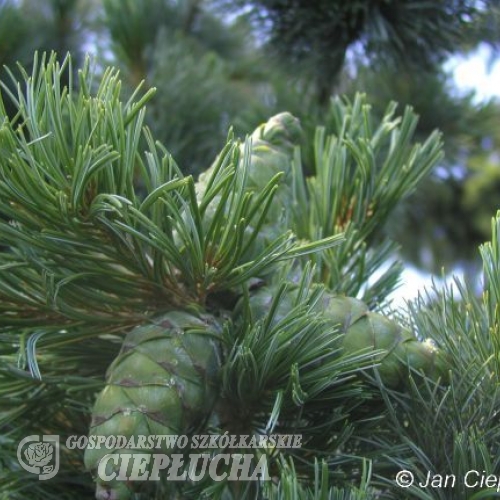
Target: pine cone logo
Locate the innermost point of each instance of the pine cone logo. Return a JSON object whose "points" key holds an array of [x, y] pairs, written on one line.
{"points": [[39, 454]]}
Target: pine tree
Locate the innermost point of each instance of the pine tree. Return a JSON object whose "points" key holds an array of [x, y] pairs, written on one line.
{"points": [[241, 302], [318, 35]]}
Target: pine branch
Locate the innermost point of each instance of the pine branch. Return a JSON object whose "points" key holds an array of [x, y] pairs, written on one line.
{"points": [[451, 429], [84, 243], [363, 170]]}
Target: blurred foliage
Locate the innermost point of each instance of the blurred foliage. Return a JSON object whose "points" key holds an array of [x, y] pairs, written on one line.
{"points": [[318, 34], [51, 25], [200, 87], [204, 69], [485, 30]]}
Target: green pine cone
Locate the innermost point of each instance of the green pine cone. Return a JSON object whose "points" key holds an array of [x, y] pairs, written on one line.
{"points": [[397, 349], [339, 311], [374, 331], [273, 145], [401, 351], [164, 381], [425, 357], [343, 311], [272, 149], [271, 152]]}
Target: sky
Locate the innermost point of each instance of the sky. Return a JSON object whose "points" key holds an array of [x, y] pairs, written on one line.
{"points": [[470, 73], [474, 73]]}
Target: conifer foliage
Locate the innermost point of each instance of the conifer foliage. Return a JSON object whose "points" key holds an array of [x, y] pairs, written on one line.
{"points": [[136, 300]]}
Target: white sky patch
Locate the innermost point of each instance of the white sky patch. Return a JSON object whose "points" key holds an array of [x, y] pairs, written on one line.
{"points": [[415, 282], [476, 72]]}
